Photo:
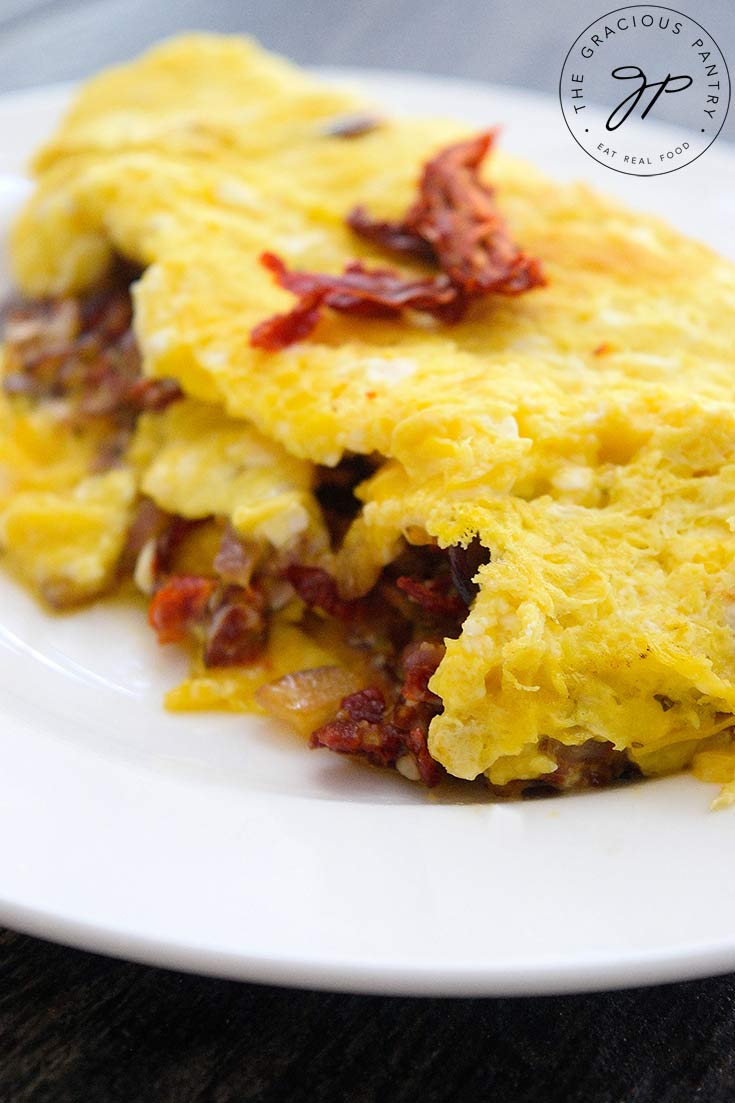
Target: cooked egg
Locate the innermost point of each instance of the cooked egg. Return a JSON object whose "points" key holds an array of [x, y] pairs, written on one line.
{"points": [[585, 430]]}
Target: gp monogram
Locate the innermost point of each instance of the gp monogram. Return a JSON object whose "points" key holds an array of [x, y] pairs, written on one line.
{"points": [[638, 63]]}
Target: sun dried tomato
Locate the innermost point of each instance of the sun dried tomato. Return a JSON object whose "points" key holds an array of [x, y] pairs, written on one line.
{"points": [[419, 662], [367, 704], [317, 588], [358, 729], [178, 605], [369, 293], [429, 770], [236, 632], [395, 236], [282, 330], [456, 213], [432, 595], [383, 733], [455, 222]]}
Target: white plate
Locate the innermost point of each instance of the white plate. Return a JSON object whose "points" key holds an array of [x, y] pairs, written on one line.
{"points": [[219, 844]]}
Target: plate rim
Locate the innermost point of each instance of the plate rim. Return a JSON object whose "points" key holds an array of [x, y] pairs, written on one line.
{"points": [[585, 974]]}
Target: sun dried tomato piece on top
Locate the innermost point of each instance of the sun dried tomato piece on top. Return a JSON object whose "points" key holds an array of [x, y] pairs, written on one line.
{"points": [[455, 215], [369, 293], [282, 330], [363, 290], [454, 223], [395, 236], [178, 605]]}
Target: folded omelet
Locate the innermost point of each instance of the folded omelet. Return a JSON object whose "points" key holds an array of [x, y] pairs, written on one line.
{"points": [[582, 434]]}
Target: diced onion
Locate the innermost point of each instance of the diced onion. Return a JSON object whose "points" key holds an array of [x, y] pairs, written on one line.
{"points": [[307, 699]]}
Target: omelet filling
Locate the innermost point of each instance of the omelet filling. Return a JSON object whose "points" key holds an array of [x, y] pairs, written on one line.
{"points": [[240, 567], [498, 544]]}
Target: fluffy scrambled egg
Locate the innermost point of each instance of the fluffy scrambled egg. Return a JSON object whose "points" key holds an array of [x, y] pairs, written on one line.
{"points": [[585, 431], [196, 462]]}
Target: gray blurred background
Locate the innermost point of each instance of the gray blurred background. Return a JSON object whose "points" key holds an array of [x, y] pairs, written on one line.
{"points": [[521, 43]]}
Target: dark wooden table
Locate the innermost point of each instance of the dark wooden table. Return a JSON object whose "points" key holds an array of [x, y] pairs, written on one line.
{"points": [[78, 1028]]}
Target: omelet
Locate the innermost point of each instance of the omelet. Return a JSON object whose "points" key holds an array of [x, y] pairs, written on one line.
{"points": [[583, 434]]}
